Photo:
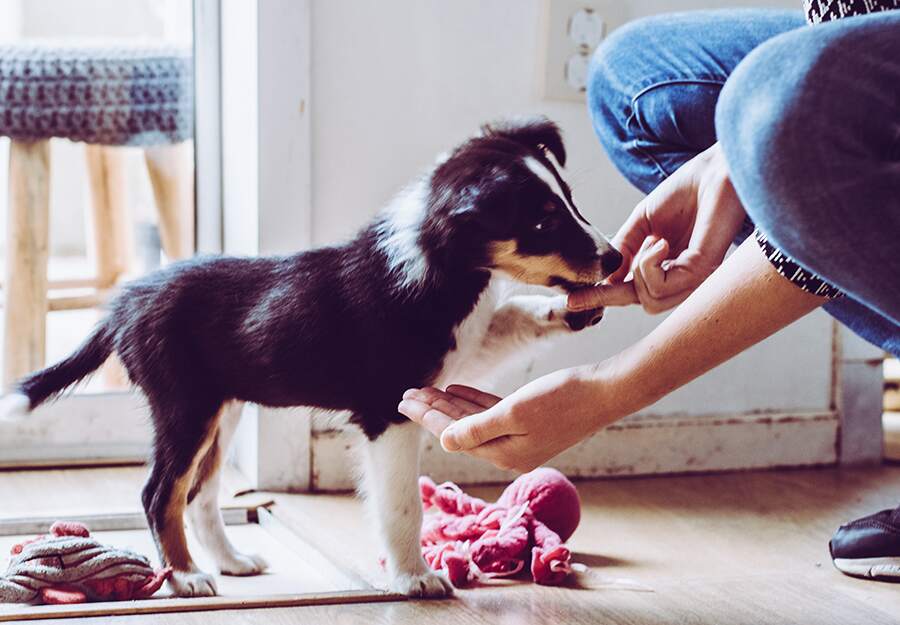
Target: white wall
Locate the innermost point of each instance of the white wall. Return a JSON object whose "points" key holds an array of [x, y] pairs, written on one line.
{"points": [[394, 83]]}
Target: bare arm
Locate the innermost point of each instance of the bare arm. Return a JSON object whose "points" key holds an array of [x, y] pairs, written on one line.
{"points": [[744, 301]]}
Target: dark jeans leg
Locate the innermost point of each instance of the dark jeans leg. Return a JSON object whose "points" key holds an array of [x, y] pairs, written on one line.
{"points": [[810, 126], [654, 84], [652, 93]]}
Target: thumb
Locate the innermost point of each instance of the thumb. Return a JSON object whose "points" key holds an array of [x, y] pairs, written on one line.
{"points": [[621, 294], [475, 430]]}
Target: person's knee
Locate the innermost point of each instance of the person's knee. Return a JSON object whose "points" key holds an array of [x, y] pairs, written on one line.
{"points": [[762, 124], [773, 122]]}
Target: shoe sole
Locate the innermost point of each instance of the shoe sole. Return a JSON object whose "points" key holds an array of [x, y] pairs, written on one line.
{"points": [[872, 568]]}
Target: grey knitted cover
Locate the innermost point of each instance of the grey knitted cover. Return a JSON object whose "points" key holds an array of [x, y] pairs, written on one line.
{"points": [[105, 95], [74, 562]]}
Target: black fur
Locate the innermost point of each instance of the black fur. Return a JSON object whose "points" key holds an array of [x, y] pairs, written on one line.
{"points": [[92, 353], [334, 327]]}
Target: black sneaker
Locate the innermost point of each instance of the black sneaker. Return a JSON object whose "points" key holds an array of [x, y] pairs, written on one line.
{"points": [[869, 547]]}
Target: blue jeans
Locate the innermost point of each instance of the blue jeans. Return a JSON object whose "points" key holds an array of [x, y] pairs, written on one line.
{"points": [[808, 118]]}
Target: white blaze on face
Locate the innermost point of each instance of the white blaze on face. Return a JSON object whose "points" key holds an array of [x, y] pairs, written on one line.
{"points": [[542, 171]]}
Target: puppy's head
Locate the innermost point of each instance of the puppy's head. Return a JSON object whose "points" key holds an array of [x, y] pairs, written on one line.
{"points": [[501, 199]]}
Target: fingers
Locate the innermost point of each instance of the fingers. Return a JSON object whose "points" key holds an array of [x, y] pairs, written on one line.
{"points": [[720, 213], [452, 405], [476, 430], [494, 449], [628, 241], [649, 272], [485, 400], [662, 283], [459, 417], [422, 413], [436, 410], [622, 294], [468, 420]]}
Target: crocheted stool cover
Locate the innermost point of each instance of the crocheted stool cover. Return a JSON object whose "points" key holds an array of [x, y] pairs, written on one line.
{"points": [[105, 95]]}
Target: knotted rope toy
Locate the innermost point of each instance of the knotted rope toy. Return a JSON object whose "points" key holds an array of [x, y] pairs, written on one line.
{"points": [[68, 566], [472, 540]]}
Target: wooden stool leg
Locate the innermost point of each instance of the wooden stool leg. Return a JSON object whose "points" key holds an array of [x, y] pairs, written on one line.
{"points": [[27, 254], [112, 232], [112, 245], [172, 176]]}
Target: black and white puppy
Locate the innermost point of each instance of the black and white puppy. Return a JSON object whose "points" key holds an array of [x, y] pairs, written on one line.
{"points": [[407, 303]]}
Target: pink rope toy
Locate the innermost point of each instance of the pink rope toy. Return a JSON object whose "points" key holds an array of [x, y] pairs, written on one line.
{"points": [[68, 566], [472, 540]]}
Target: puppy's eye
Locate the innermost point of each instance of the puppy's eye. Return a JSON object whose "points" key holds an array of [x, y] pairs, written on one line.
{"points": [[545, 225]]}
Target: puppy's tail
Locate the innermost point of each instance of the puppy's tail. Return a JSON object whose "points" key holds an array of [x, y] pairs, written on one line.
{"points": [[36, 388]]}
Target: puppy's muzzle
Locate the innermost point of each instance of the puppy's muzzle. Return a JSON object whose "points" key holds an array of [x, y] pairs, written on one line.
{"points": [[583, 318], [610, 261]]}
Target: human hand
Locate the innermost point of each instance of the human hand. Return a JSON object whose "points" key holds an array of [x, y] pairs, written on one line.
{"points": [[523, 430], [674, 238]]}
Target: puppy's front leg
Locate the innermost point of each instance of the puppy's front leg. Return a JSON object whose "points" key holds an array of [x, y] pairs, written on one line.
{"points": [[391, 486], [517, 324], [524, 318]]}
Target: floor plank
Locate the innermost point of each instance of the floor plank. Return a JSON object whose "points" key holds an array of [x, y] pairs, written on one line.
{"points": [[747, 548]]}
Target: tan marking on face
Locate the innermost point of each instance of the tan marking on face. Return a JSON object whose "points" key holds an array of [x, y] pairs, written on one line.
{"points": [[537, 269]]}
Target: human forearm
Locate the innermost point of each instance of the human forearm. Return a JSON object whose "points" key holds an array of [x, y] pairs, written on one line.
{"points": [[744, 301]]}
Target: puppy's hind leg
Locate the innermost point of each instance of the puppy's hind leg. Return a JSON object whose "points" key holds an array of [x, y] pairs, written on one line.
{"points": [[184, 433], [390, 484], [203, 502]]}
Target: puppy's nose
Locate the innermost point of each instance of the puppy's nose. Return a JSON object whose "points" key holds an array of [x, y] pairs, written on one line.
{"points": [[610, 261]]}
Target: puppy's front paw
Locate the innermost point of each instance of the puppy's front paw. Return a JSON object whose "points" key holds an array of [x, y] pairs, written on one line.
{"points": [[580, 320], [427, 585], [192, 584], [243, 564]]}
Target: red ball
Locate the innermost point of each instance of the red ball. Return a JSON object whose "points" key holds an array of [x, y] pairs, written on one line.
{"points": [[551, 497]]}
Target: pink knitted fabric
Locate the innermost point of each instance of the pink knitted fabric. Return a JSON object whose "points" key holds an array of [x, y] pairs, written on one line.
{"points": [[471, 539]]}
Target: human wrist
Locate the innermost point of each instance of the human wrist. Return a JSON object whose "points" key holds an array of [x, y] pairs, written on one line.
{"points": [[608, 389], [720, 213]]}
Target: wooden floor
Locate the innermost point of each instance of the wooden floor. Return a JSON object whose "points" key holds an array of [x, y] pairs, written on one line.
{"points": [[732, 549]]}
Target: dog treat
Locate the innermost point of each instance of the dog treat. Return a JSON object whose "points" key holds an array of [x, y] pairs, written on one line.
{"points": [[68, 566], [471, 540]]}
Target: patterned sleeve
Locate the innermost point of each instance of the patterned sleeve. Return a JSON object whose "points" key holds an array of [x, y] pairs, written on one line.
{"points": [[790, 269], [818, 11]]}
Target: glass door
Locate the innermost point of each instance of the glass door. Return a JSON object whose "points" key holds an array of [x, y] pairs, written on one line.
{"points": [[98, 180]]}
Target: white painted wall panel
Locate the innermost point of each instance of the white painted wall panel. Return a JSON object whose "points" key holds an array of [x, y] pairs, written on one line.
{"points": [[397, 82]]}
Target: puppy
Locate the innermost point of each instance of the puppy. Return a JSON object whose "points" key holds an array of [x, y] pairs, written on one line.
{"points": [[407, 303]]}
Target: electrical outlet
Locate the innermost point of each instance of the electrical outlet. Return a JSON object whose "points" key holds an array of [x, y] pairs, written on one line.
{"points": [[573, 29]]}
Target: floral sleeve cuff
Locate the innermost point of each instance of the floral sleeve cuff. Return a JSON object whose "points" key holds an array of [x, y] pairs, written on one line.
{"points": [[790, 269]]}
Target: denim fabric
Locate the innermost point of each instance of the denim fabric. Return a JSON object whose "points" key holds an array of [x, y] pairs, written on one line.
{"points": [[809, 122]]}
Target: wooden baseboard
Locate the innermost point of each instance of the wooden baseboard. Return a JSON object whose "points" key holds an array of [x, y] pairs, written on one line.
{"points": [[636, 446]]}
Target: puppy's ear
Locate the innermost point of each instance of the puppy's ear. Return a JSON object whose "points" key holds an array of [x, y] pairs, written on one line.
{"points": [[535, 132], [471, 193]]}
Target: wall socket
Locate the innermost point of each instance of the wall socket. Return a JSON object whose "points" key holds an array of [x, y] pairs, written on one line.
{"points": [[573, 29]]}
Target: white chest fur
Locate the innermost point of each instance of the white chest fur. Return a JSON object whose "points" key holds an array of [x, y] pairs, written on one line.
{"points": [[465, 364]]}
